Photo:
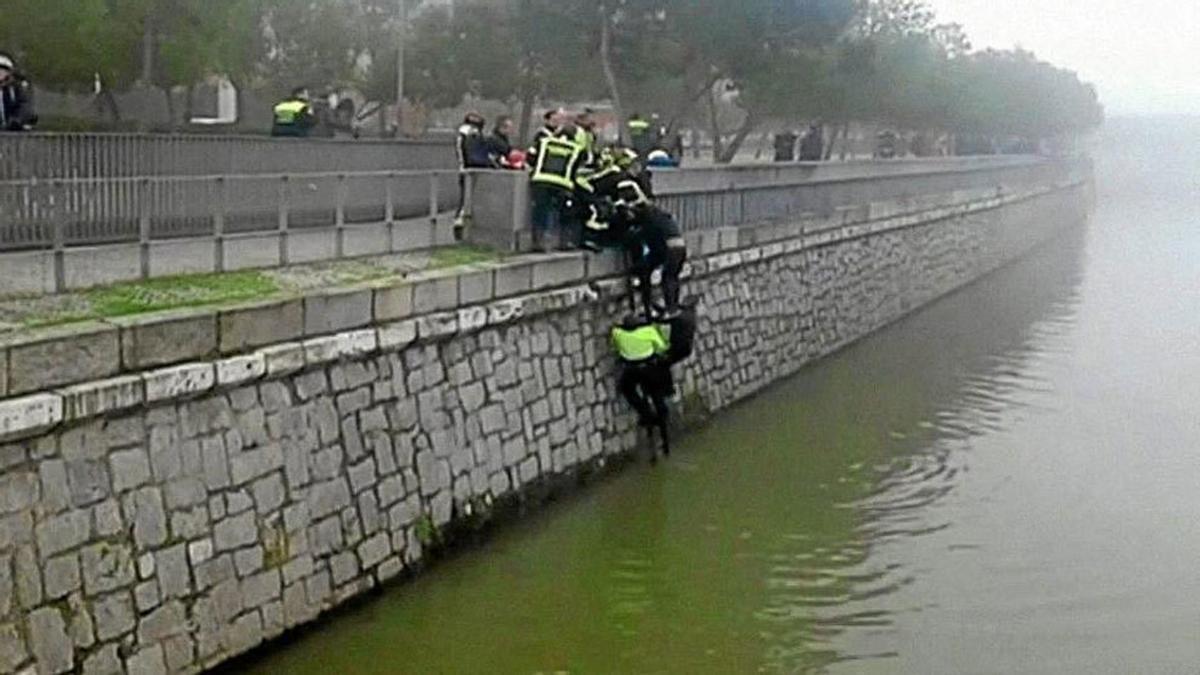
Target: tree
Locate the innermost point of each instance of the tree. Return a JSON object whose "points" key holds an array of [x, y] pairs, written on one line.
{"points": [[763, 50], [68, 44]]}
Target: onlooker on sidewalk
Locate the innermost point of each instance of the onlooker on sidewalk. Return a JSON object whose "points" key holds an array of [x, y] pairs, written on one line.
{"points": [[785, 146], [294, 115], [472, 150], [16, 98], [500, 142], [643, 137], [812, 147], [585, 135]]}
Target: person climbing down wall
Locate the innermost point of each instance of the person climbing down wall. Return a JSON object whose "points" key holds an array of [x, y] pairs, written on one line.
{"points": [[645, 378], [653, 242]]}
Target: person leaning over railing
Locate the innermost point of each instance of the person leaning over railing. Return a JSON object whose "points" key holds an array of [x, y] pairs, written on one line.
{"points": [[16, 98], [473, 152]]}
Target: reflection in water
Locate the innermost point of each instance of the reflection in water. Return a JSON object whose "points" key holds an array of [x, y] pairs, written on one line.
{"points": [[928, 385], [1002, 483]]}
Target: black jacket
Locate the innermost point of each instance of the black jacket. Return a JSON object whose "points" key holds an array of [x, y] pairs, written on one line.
{"points": [[16, 105], [683, 335], [472, 148], [498, 148]]}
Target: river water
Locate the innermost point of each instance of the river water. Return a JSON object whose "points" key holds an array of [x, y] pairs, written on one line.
{"points": [[1005, 482]]}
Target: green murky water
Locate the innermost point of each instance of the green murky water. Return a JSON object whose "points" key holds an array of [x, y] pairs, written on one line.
{"points": [[1005, 482]]}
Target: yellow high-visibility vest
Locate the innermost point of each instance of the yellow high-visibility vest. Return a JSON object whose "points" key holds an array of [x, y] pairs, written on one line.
{"points": [[639, 344], [289, 112]]}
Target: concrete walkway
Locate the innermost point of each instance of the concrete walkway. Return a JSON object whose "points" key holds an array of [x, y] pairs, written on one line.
{"points": [[27, 312]]}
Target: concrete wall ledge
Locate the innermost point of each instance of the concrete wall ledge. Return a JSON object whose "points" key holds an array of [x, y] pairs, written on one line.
{"points": [[83, 369]]}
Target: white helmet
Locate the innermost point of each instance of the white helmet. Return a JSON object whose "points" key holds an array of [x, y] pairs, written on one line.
{"points": [[6, 62]]}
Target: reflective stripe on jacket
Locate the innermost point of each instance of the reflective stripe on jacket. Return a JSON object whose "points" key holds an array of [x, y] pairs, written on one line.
{"points": [[557, 161], [638, 126]]}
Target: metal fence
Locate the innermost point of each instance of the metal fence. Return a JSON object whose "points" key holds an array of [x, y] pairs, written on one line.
{"points": [[45, 156], [703, 209], [62, 212]]}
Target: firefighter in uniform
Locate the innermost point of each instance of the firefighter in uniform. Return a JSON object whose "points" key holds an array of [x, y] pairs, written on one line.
{"points": [[596, 191], [653, 241], [554, 162]]}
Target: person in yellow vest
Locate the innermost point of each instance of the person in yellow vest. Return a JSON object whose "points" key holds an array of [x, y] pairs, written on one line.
{"points": [[554, 163], [645, 380], [585, 135], [642, 137], [294, 115]]}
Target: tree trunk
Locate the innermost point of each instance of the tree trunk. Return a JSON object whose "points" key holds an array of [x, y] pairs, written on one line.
{"points": [[731, 150], [110, 103], [714, 125], [240, 99], [170, 98], [189, 105], [688, 101], [148, 49], [528, 96], [610, 75], [827, 152]]}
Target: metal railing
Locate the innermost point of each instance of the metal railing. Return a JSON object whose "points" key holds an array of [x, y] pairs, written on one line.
{"points": [[68, 155], [62, 212], [704, 208]]}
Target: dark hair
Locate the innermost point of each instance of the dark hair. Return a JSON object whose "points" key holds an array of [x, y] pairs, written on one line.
{"points": [[502, 120], [299, 91], [550, 114]]}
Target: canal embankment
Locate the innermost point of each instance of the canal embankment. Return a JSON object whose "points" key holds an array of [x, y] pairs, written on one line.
{"points": [[180, 488]]}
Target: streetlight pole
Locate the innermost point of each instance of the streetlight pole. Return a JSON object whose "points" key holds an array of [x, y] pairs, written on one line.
{"points": [[401, 41]]}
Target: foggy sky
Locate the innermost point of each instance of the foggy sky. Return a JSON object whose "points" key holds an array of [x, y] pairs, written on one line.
{"points": [[1143, 55]]}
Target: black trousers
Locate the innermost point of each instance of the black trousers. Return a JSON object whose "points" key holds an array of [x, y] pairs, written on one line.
{"points": [[647, 386], [676, 256]]}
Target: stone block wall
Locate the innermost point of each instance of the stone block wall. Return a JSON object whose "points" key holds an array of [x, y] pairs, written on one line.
{"points": [[172, 527]]}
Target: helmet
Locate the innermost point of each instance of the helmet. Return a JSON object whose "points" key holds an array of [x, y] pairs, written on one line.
{"points": [[6, 62], [624, 157]]}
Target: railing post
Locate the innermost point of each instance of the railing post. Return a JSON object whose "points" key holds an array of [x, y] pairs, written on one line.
{"points": [[389, 210], [58, 243], [283, 220], [219, 225], [433, 199], [339, 219], [144, 201]]}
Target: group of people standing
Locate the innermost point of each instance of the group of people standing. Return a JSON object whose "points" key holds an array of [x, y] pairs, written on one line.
{"points": [[16, 98], [603, 198], [811, 145]]}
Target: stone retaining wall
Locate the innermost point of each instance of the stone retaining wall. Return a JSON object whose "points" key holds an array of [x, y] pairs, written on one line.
{"points": [[213, 493]]}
